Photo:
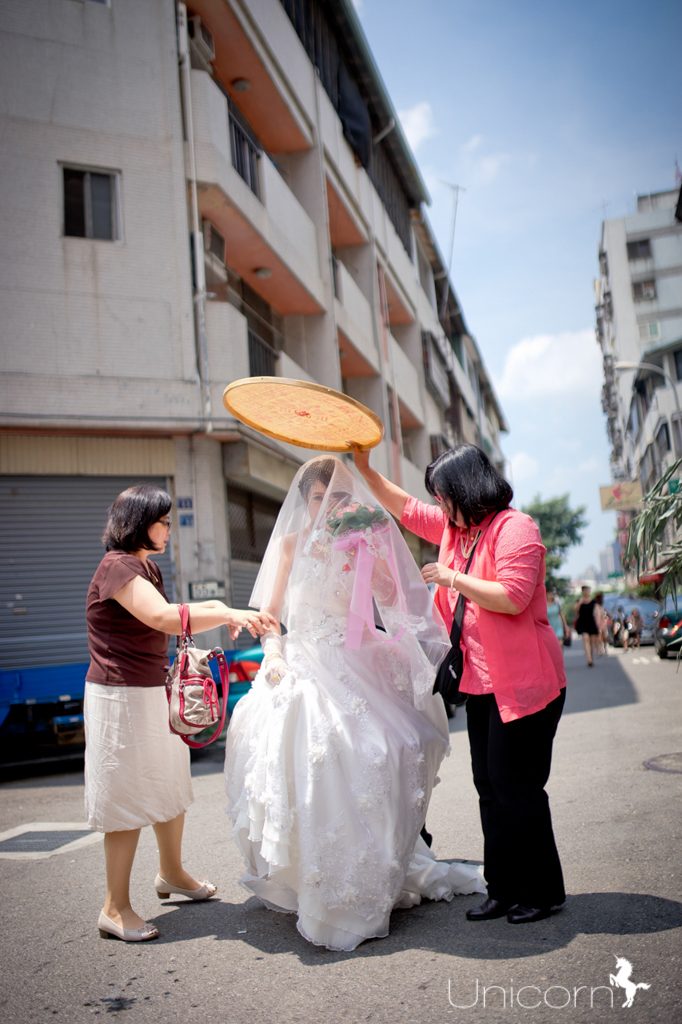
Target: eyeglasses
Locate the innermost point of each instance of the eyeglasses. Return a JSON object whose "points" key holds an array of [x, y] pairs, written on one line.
{"points": [[166, 521]]}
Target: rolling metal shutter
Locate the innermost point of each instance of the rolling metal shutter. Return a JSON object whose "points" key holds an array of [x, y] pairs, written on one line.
{"points": [[49, 548]]}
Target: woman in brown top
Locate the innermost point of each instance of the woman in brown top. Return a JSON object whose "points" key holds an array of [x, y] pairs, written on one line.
{"points": [[136, 771]]}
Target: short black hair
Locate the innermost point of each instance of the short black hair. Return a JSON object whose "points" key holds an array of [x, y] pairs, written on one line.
{"points": [[320, 469], [131, 515], [466, 478]]}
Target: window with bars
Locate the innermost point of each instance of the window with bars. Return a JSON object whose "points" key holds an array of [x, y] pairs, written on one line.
{"points": [[644, 290], [251, 519], [90, 204], [639, 249]]}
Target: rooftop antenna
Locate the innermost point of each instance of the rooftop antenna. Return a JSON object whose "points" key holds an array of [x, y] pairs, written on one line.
{"points": [[456, 189]]}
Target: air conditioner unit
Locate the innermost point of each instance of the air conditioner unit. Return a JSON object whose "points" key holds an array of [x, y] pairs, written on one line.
{"points": [[202, 40]]}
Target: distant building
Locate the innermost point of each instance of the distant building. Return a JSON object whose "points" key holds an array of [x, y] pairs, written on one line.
{"points": [[639, 322], [191, 196], [609, 562]]}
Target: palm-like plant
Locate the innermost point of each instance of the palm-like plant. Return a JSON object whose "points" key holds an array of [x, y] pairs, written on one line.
{"points": [[661, 514]]}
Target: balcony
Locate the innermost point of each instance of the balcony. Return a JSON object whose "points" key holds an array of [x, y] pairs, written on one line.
{"points": [[412, 480], [354, 317], [407, 386], [271, 242]]}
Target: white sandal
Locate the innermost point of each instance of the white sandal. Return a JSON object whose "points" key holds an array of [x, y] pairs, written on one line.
{"points": [[164, 890]]}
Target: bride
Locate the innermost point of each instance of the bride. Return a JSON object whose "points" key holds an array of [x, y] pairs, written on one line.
{"points": [[332, 756]]}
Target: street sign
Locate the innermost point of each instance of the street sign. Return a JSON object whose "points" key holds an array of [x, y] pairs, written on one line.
{"points": [[205, 590], [624, 495]]}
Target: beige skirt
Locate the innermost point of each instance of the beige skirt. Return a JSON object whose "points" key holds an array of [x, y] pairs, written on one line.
{"points": [[136, 771]]}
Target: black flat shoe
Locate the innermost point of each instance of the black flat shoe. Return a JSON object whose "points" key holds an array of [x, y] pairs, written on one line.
{"points": [[488, 911], [519, 914]]}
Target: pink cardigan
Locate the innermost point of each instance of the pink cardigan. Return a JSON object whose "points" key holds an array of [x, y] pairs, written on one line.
{"points": [[516, 657]]}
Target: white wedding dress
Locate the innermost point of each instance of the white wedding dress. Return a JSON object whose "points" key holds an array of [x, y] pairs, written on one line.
{"points": [[329, 773]]}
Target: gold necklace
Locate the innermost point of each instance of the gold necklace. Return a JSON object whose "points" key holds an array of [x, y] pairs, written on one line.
{"points": [[466, 550]]}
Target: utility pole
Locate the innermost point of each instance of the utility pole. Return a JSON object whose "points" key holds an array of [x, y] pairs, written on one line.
{"points": [[456, 189]]}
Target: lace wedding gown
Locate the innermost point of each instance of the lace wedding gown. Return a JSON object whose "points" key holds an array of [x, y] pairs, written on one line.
{"points": [[329, 773]]}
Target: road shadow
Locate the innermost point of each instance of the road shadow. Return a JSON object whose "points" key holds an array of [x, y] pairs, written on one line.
{"points": [[441, 927], [606, 685]]}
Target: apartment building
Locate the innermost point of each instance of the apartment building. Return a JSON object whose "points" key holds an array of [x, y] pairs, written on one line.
{"points": [[193, 195], [639, 328]]}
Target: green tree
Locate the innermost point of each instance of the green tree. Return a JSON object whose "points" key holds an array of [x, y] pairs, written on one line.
{"points": [[655, 534], [561, 528]]}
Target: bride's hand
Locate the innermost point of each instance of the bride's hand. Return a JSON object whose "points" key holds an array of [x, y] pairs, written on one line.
{"points": [[257, 623], [274, 668], [436, 572]]}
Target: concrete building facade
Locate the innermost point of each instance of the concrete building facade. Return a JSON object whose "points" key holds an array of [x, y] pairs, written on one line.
{"points": [[193, 195], [639, 322]]}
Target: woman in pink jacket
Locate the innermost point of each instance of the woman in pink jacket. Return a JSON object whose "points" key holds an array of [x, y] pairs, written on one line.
{"points": [[513, 667]]}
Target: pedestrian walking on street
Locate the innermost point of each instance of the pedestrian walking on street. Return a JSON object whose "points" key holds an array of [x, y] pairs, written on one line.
{"points": [[634, 627], [513, 666], [137, 772], [601, 618], [586, 624], [556, 617]]}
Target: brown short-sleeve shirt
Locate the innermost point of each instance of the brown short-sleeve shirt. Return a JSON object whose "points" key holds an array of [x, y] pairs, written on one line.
{"points": [[123, 650]]}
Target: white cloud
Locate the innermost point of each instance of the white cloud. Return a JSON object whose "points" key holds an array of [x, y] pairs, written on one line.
{"points": [[564, 365], [523, 467], [477, 168], [590, 466], [472, 144], [357, 4], [417, 122]]}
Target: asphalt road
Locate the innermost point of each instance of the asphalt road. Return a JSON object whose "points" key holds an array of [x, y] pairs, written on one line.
{"points": [[230, 960]]}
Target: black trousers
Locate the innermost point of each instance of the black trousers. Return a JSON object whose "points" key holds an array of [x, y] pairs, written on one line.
{"points": [[511, 764]]}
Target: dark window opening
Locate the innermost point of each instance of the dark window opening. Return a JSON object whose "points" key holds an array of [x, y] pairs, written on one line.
{"points": [[89, 204], [639, 250]]}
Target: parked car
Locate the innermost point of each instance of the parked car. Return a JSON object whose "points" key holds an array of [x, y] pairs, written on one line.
{"points": [[668, 635]]}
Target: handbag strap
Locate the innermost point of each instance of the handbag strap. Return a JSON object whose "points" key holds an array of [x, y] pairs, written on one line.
{"points": [[185, 627], [458, 617]]}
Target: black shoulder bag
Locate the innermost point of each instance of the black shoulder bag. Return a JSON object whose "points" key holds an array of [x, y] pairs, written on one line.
{"points": [[449, 674]]}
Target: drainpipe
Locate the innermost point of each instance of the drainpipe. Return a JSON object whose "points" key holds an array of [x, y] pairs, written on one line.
{"points": [[199, 296]]}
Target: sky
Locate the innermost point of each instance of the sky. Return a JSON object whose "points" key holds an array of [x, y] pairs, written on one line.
{"points": [[552, 114]]}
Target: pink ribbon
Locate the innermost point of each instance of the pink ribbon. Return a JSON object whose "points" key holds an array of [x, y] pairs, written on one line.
{"points": [[361, 611]]}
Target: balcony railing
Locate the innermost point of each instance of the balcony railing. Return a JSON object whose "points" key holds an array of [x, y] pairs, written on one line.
{"points": [[245, 152], [262, 357]]}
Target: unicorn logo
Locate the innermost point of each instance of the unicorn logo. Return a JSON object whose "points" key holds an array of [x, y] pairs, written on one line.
{"points": [[621, 979]]}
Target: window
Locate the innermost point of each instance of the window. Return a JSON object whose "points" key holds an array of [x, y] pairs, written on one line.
{"points": [[214, 241], [393, 431], [650, 330], [677, 435], [663, 439], [677, 355], [439, 444], [639, 250], [90, 204], [633, 419], [251, 520], [644, 290], [435, 370]]}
